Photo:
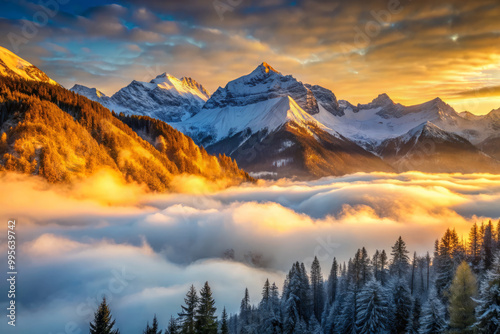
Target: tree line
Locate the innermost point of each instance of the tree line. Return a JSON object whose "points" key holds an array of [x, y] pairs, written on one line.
{"points": [[456, 290]]}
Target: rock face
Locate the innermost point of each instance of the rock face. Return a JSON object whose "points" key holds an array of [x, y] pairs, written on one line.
{"points": [[165, 98], [263, 84]]}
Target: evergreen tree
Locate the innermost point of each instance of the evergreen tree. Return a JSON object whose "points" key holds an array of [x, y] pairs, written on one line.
{"points": [[414, 323], [373, 309], [433, 316], [400, 260], [474, 246], [461, 308], [206, 321], [292, 318], [365, 266], [317, 289], [154, 327], [103, 322], [245, 309], [173, 327], [383, 265], [413, 269], [187, 316], [224, 326], [332, 282], [402, 304], [445, 264], [346, 322], [376, 264], [305, 294], [487, 247], [488, 305], [266, 293]]}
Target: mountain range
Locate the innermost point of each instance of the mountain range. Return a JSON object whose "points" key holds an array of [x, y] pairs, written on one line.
{"points": [[275, 126], [49, 131]]}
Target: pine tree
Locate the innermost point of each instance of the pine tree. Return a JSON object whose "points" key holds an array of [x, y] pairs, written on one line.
{"points": [[224, 327], [206, 321], [474, 246], [373, 309], [488, 305], [445, 264], [433, 316], [383, 265], [245, 309], [291, 298], [187, 316], [413, 267], [332, 282], [173, 327], [305, 294], [365, 266], [347, 319], [103, 322], [317, 289], [400, 260], [462, 290], [414, 323], [487, 247], [154, 327], [402, 304], [266, 293]]}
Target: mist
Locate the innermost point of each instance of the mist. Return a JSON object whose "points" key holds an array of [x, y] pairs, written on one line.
{"points": [[143, 251]]}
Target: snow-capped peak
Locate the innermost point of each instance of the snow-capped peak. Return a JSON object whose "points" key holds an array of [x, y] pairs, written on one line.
{"points": [[382, 100], [266, 68], [14, 66], [91, 93], [262, 84], [180, 86]]}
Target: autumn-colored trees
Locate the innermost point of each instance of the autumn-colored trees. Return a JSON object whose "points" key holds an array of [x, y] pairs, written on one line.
{"points": [[49, 131]]}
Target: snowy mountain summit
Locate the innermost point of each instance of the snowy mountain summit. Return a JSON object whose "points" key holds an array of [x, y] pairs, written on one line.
{"points": [[266, 121], [166, 98], [263, 84]]}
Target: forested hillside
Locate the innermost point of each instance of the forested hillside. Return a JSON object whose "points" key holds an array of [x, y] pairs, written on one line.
{"points": [[454, 289], [49, 131]]}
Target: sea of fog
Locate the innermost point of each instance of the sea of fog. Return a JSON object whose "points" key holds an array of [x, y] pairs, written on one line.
{"points": [[143, 251]]}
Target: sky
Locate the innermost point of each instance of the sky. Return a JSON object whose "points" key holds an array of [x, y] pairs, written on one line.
{"points": [[412, 50], [144, 250]]}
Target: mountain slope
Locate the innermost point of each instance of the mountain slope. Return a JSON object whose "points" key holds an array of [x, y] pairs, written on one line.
{"points": [[49, 131], [14, 66], [428, 148], [165, 98]]}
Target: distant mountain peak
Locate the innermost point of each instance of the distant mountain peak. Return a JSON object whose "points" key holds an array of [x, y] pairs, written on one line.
{"points": [[382, 100], [267, 68], [264, 69], [88, 92]]}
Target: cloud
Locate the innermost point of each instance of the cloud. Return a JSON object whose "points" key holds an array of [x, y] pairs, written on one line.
{"points": [[143, 250], [357, 49]]}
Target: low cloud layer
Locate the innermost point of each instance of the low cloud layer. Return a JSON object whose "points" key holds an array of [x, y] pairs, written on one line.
{"points": [[144, 250]]}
